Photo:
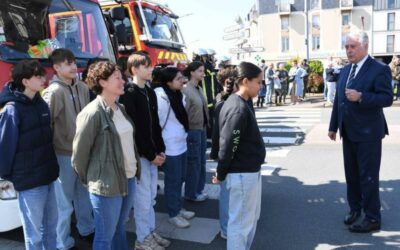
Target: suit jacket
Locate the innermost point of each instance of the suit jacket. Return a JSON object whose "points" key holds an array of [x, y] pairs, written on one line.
{"points": [[363, 121]]}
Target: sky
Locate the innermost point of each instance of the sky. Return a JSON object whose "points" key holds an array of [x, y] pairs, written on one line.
{"points": [[203, 27]]}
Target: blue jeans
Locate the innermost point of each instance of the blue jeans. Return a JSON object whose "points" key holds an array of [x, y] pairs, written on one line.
{"points": [[269, 93], [145, 195], [175, 171], [244, 208], [110, 217], [196, 163], [223, 208], [71, 195], [38, 212]]}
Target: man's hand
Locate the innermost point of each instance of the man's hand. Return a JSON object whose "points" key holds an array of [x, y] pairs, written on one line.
{"points": [[159, 160], [353, 95], [215, 180], [332, 135]]}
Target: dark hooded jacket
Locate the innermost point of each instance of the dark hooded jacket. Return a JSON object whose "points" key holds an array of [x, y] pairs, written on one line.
{"points": [[27, 155]]}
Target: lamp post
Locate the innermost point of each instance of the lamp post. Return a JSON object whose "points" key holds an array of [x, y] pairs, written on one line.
{"points": [[307, 30]]}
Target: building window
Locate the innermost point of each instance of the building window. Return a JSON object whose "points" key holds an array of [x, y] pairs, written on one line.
{"points": [[390, 44], [285, 23], [346, 22], [315, 4], [285, 33], [285, 44], [345, 19], [390, 21], [386, 4], [315, 42], [315, 22], [316, 29], [390, 4]]}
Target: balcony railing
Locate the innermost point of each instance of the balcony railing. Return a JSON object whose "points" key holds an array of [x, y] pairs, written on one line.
{"points": [[346, 4]]}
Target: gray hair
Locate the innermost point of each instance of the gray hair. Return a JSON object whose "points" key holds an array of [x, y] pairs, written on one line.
{"points": [[361, 36]]}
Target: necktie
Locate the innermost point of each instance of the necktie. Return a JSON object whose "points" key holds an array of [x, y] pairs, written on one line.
{"points": [[352, 74]]}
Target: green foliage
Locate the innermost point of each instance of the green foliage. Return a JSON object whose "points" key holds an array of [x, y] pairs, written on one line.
{"points": [[316, 66]]}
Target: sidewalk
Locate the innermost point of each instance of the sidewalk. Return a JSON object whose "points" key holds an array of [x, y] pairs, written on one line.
{"points": [[312, 101]]}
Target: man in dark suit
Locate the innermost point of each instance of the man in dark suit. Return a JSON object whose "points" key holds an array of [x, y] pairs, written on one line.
{"points": [[363, 90]]}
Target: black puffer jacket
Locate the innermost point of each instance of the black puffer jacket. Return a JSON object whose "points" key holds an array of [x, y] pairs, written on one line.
{"points": [[27, 155]]}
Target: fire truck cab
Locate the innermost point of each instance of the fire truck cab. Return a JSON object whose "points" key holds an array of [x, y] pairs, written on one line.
{"points": [[143, 25]]}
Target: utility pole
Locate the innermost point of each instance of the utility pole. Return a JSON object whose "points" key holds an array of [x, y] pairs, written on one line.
{"points": [[307, 30]]}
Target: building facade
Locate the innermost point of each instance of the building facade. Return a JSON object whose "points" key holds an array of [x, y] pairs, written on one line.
{"points": [[284, 27]]}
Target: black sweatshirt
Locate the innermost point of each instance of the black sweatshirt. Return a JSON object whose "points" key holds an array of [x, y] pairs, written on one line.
{"points": [[241, 147], [141, 106]]}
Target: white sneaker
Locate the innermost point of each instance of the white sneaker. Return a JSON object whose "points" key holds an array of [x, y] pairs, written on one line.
{"points": [[223, 236], [178, 221], [186, 214], [160, 240], [149, 243], [201, 197]]}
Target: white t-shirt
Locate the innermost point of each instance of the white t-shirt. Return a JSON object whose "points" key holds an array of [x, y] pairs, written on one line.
{"points": [[125, 132], [174, 133]]}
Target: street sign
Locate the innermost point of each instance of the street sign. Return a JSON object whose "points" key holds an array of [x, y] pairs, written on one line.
{"points": [[232, 28], [232, 36], [246, 50]]}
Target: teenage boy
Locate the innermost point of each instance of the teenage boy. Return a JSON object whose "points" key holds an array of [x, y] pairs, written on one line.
{"points": [[241, 153], [27, 155], [66, 97], [141, 105]]}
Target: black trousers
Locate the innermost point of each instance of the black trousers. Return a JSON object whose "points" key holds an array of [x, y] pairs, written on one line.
{"points": [[362, 162]]}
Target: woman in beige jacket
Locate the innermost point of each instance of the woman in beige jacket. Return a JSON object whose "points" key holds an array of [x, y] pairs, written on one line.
{"points": [[196, 107], [105, 156]]}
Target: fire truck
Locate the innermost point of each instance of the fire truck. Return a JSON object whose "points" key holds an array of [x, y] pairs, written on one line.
{"points": [[144, 25], [31, 29]]}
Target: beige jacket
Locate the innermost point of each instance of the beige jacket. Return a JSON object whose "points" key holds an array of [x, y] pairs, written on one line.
{"points": [[195, 103], [98, 157], [65, 102]]}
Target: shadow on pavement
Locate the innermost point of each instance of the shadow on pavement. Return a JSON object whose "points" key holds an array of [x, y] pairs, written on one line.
{"points": [[298, 216]]}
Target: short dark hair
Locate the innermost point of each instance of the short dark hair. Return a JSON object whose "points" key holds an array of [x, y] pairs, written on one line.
{"points": [[263, 61], [227, 73], [168, 74], [62, 55], [101, 70], [247, 70], [138, 58], [26, 69], [193, 66]]}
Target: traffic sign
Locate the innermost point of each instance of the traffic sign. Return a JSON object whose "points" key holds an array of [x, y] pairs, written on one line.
{"points": [[232, 36], [246, 50], [232, 28]]}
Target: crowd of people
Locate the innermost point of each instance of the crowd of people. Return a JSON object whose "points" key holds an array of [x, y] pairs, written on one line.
{"points": [[95, 148], [279, 82]]}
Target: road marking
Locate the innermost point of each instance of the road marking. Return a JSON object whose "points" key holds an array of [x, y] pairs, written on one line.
{"points": [[287, 124], [283, 130], [280, 140], [288, 120], [202, 230]]}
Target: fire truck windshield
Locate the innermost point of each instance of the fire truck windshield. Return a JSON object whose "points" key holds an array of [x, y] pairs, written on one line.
{"points": [[33, 29], [162, 28]]}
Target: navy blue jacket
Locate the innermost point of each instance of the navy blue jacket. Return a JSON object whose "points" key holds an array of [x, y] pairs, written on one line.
{"points": [[27, 156], [363, 121]]}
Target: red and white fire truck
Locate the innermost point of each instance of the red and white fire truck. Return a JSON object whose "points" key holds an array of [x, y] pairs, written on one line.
{"points": [[147, 26]]}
